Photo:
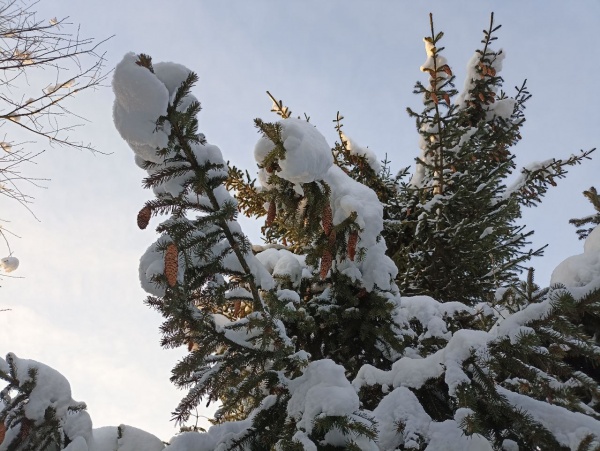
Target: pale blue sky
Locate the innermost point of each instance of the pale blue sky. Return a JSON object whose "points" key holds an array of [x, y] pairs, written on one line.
{"points": [[79, 306]]}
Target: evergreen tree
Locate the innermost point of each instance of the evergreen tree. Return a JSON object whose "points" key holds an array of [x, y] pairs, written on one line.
{"points": [[452, 229], [336, 298]]}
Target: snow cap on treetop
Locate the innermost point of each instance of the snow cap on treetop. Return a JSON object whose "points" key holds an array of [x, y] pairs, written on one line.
{"points": [[140, 99], [307, 157]]}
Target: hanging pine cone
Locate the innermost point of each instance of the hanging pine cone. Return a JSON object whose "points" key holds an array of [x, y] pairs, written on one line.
{"points": [[331, 240], [327, 219], [352, 242], [171, 264], [25, 428], [2, 432], [271, 214], [326, 261], [143, 217]]}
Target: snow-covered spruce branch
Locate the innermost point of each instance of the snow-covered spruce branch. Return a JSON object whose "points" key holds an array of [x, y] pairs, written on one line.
{"points": [[37, 412], [212, 254], [535, 178], [591, 220], [238, 244]]}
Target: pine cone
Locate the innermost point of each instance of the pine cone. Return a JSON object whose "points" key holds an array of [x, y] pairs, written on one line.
{"points": [[352, 241], [143, 217], [2, 432], [327, 219], [25, 428], [271, 214], [331, 240], [171, 264], [326, 261]]}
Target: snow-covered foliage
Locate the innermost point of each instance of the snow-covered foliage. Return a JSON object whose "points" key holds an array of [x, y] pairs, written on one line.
{"points": [[307, 341], [360, 151], [453, 228], [583, 270], [307, 154], [322, 389], [38, 412]]}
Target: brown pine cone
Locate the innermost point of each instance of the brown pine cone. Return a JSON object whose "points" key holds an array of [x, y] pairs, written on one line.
{"points": [[171, 264], [271, 214], [2, 432], [352, 241], [327, 219], [25, 428], [331, 239], [143, 217], [326, 261]]}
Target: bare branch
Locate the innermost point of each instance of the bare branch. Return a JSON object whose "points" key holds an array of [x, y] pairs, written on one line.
{"points": [[44, 63]]}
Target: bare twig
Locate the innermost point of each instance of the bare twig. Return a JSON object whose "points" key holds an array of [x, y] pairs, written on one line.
{"points": [[43, 64]]}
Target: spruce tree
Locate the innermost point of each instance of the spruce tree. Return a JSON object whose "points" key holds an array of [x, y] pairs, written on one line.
{"points": [[452, 228], [254, 322]]}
